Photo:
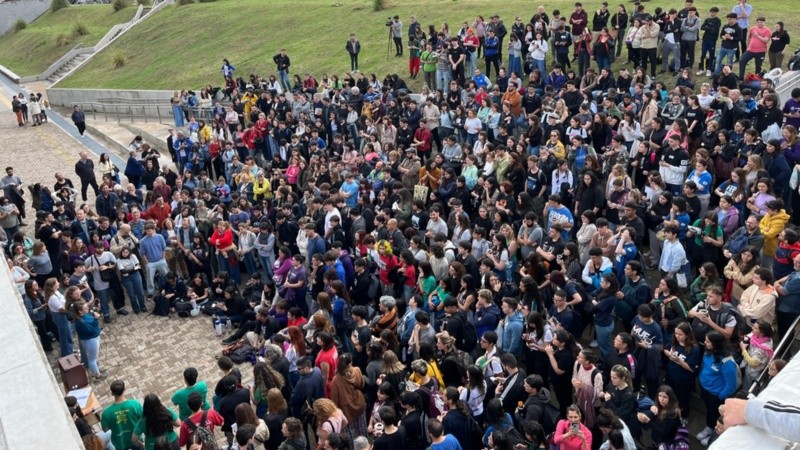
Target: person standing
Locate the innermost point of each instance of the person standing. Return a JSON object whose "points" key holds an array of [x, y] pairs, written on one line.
{"points": [[777, 46], [708, 46], [353, 47], [788, 307], [283, 62], [152, 247], [730, 34], [121, 417], [690, 29], [79, 119], [84, 168], [743, 10], [758, 38], [12, 189], [87, 326], [648, 34], [396, 29]]}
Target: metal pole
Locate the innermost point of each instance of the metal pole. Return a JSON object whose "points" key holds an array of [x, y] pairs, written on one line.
{"points": [[144, 113]]}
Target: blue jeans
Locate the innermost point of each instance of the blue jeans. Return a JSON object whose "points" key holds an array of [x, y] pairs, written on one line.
{"points": [[515, 65], [675, 49], [533, 150], [90, 349], [152, 269], [721, 54], [283, 79], [707, 52], [602, 62], [746, 57], [102, 294], [266, 263], [540, 64], [64, 333], [250, 263], [233, 270], [135, 290], [443, 77], [470, 60], [604, 334]]}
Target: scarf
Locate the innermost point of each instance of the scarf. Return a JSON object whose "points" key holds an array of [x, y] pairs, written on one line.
{"points": [[761, 344]]}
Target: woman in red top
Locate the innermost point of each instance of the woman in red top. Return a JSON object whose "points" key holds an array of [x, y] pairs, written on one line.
{"points": [[386, 263], [409, 272], [222, 240], [326, 359]]}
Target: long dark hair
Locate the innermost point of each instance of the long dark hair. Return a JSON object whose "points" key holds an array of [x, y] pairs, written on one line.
{"points": [[476, 380], [569, 342], [452, 394], [719, 346], [158, 417]]}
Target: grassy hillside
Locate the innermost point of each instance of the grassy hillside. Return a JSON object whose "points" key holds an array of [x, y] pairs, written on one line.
{"points": [[182, 47], [32, 50]]}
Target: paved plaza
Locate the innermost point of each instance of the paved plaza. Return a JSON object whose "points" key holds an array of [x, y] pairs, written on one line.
{"points": [[148, 352]]}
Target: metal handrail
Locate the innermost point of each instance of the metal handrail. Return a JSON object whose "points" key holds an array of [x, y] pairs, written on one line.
{"points": [[779, 353]]}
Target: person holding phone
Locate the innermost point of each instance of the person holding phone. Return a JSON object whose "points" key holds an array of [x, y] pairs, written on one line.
{"points": [[570, 433]]}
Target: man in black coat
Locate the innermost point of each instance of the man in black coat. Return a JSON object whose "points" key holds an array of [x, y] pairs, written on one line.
{"points": [[511, 389], [84, 168]]}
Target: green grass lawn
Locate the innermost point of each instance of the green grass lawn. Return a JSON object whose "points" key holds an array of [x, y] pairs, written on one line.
{"points": [[32, 50], [183, 47]]}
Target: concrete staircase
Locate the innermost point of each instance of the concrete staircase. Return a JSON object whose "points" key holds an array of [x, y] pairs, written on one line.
{"points": [[67, 68]]}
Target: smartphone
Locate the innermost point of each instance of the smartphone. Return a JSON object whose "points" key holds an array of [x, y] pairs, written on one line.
{"points": [[574, 427]]}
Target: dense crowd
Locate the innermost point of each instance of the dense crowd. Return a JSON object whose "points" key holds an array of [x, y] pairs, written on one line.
{"points": [[460, 269]]}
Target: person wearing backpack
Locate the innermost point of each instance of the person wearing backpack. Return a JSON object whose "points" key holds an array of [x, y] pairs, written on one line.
{"points": [[719, 378], [459, 327], [199, 424], [587, 380], [453, 362], [458, 420], [537, 408], [342, 315], [713, 315]]}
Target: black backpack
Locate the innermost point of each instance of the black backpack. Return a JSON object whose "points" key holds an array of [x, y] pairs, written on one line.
{"points": [[183, 308], [514, 436], [469, 339]]}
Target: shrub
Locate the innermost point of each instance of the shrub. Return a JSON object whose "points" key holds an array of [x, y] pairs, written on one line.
{"points": [[59, 4], [118, 60], [62, 40], [379, 5], [79, 29], [206, 1], [20, 25], [184, 2], [119, 5]]}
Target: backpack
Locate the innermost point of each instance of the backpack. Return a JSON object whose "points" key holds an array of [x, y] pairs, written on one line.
{"points": [[183, 308], [681, 441], [737, 243], [374, 290], [200, 430], [347, 317], [463, 360], [436, 406], [549, 418], [514, 436], [469, 339], [741, 328]]}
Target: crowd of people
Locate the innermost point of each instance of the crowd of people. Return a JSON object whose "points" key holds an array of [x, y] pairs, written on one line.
{"points": [[462, 271]]}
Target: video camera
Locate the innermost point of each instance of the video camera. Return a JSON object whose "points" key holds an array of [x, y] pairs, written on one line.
{"points": [[389, 22]]}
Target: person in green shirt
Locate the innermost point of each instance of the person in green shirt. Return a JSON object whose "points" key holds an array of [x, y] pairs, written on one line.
{"points": [[121, 417], [157, 420], [429, 59], [180, 397]]}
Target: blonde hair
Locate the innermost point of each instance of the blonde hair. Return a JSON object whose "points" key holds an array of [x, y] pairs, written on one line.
{"points": [[324, 409], [445, 338], [386, 246], [276, 401]]}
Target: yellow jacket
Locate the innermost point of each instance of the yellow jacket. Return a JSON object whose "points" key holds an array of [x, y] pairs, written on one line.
{"points": [[771, 226], [260, 190], [205, 133]]}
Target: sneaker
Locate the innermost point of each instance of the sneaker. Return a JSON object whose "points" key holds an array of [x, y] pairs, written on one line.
{"points": [[708, 73], [122, 312], [107, 319], [136, 311], [699, 72], [704, 434], [229, 340], [704, 441], [594, 343]]}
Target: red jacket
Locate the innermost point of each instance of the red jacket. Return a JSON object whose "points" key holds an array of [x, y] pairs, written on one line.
{"points": [[424, 135], [223, 240], [158, 213]]}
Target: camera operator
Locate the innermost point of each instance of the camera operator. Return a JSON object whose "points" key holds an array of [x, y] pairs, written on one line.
{"points": [[396, 29]]}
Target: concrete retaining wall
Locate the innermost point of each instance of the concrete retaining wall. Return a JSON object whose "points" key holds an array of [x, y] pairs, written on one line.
{"points": [[28, 10], [127, 102]]}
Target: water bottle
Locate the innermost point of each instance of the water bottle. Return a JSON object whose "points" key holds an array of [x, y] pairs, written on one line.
{"points": [[218, 327]]}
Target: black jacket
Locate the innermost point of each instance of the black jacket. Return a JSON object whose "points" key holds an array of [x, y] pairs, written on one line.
{"points": [[85, 170]]}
